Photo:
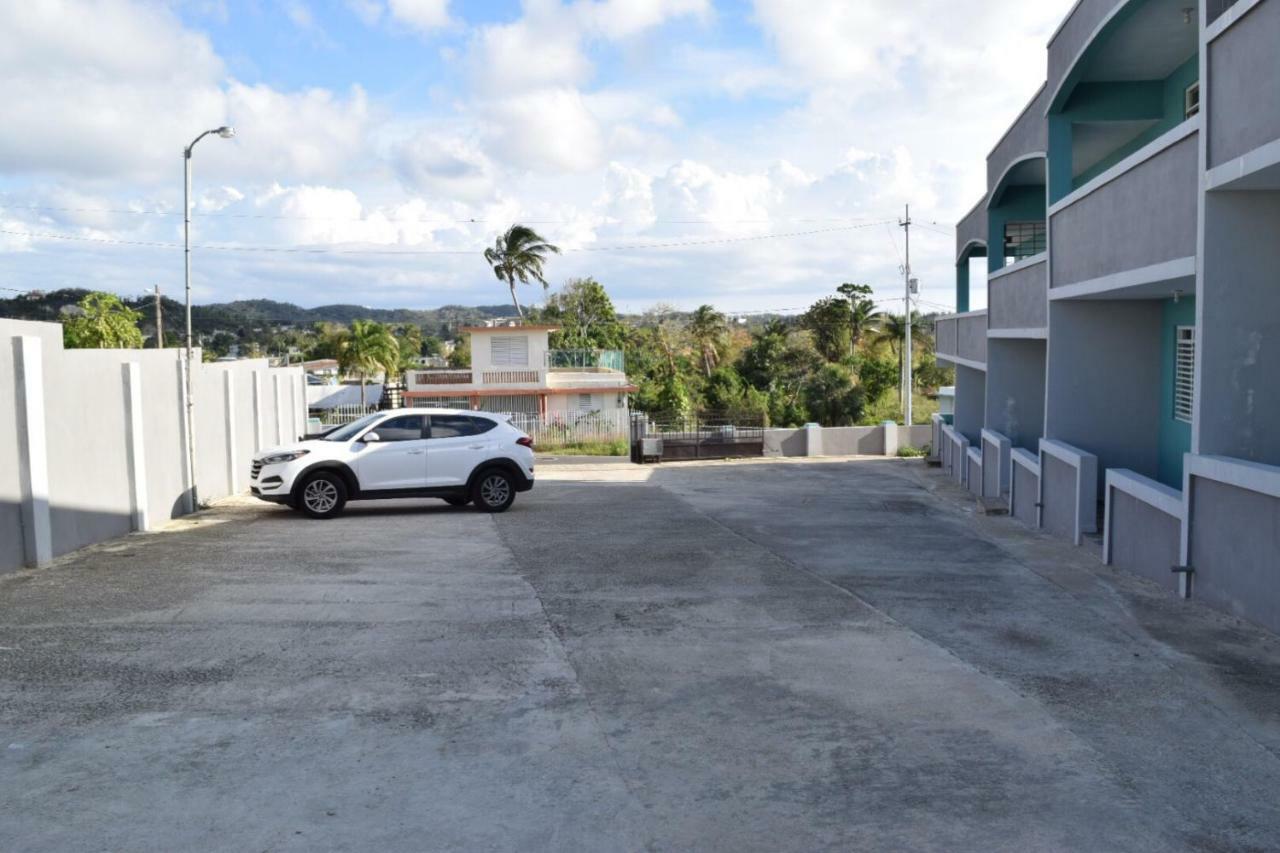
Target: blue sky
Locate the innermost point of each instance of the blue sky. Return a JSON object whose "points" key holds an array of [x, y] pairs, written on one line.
{"points": [[383, 143]]}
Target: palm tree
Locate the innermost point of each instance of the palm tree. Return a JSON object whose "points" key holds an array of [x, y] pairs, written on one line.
{"points": [[865, 316], [708, 327], [367, 348], [892, 329], [518, 255]]}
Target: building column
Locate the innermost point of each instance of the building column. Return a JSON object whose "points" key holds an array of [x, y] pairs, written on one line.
{"points": [[33, 455], [136, 447], [229, 409], [962, 286]]}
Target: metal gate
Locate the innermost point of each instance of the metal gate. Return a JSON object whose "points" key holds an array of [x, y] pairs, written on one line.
{"points": [[706, 435]]}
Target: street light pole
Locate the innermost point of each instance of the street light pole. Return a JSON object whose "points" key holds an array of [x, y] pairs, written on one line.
{"points": [[189, 425]]}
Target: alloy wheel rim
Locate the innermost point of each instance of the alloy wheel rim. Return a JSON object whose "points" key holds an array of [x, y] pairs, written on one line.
{"points": [[495, 490], [321, 496]]}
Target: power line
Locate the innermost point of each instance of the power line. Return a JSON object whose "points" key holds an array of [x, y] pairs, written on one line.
{"points": [[413, 252], [413, 220]]}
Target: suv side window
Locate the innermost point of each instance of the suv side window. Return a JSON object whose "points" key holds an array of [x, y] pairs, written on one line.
{"points": [[403, 428], [455, 426]]}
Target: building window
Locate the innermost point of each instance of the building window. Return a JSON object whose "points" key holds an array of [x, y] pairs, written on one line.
{"points": [[1192, 99], [585, 405], [509, 350], [1184, 373], [1022, 240]]}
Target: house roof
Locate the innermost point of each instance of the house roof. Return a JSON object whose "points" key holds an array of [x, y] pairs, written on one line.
{"points": [[524, 328]]}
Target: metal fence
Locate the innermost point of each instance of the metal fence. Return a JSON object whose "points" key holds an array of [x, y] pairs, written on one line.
{"points": [[702, 435], [559, 430]]}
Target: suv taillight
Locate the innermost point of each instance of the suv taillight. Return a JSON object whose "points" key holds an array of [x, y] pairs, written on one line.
{"points": [[525, 441]]}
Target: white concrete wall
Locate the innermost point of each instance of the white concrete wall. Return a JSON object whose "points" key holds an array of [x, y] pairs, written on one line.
{"points": [[92, 442]]}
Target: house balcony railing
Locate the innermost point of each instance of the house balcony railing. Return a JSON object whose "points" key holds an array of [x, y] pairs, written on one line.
{"points": [[962, 338], [442, 376], [1242, 114], [586, 360], [1134, 222]]}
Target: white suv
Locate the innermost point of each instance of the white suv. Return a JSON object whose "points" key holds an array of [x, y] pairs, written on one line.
{"points": [[463, 457]]}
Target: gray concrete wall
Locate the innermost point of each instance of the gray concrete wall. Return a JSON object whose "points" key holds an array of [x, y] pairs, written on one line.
{"points": [[1074, 34], [784, 442], [1026, 494], [1059, 511], [853, 441], [1104, 381], [972, 227], [1020, 299], [1146, 216], [1239, 345], [1235, 550], [842, 441], [89, 490], [971, 394], [1242, 109], [1028, 134], [972, 338], [945, 332], [1015, 390], [991, 467], [11, 546], [974, 476], [87, 440], [1144, 540]]}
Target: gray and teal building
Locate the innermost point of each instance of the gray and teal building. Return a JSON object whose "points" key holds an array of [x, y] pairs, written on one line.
{"points": [[1124, 377]]}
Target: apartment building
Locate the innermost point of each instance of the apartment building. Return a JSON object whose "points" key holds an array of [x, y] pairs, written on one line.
{"points": [[1124, 377], [515, 370]]}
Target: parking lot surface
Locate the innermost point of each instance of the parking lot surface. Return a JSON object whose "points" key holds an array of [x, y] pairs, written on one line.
{"points": [[784, 655]]}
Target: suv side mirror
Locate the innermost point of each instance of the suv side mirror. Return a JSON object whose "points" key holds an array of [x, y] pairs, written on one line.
{"points": [[370, 436]]}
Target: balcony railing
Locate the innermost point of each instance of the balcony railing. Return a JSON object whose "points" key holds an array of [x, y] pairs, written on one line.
{"points": [[963, 337], [441, 377], [586, 360], [1017, 295]]}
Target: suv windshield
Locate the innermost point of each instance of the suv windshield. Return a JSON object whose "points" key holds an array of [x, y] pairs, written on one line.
{"points": [[352, 429]]}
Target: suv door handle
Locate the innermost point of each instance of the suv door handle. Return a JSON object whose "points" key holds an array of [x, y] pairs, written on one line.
{"points": [[475, 447], [416, 452]]}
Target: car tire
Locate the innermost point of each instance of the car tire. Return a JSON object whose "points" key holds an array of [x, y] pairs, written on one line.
{"points": [[493, 491], [322, 495], [458, 501]]}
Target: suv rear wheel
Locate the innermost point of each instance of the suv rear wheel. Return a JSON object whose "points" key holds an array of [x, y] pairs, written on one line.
{"points": [[494, 491], [323, 495]]}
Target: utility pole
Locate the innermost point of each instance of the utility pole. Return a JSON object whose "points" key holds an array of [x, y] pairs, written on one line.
{"points": [[159, 321], [906, 346]]}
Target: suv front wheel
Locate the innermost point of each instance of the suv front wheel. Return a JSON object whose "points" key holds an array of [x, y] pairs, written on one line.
{"points": [[323, 495], [494, 491]]}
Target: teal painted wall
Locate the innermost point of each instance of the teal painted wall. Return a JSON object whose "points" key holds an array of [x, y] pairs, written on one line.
{"points": [[962, 287], [1175, 436], [1017, 204], [1172, 113]]}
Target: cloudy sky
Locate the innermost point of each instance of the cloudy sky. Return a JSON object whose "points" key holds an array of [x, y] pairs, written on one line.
{"points": [[382, 144]]}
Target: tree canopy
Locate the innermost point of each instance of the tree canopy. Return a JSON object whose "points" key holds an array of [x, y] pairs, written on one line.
{"points": [[102, 321], [519, 255]]}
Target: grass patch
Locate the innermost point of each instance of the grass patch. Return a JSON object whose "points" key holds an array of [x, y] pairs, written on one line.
{"points": [[617, 447], [912, 452]]}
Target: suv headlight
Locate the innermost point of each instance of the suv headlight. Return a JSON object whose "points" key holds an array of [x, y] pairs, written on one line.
{"points": [[280, 458]]}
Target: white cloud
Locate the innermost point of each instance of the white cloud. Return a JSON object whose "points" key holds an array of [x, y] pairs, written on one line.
{"points": [[424, 16], [546, 129], [445, 166]]}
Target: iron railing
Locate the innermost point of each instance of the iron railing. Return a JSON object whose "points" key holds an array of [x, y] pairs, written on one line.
{"points": [[701, 435]]}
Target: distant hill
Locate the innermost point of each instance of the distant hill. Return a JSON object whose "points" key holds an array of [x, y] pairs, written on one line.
{"points": [[253, 314]]}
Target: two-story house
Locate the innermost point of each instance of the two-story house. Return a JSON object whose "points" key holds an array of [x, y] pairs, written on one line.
{"points": [[1123, 374], [515, 370]]}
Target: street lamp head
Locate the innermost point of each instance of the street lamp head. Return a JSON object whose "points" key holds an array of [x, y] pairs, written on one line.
{"points": [[226, 132]]}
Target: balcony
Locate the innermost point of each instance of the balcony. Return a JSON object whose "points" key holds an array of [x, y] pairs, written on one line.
{"points": [[1029, 134], [1243, 113], [586, 360], [1074, 35], [1133, 223], [1017, 297], [439, 376], [962, 339]]}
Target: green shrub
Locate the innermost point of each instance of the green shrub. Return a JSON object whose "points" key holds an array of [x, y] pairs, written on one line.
{"points": [[911, 452]]}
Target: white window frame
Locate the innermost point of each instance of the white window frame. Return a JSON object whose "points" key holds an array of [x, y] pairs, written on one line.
{"points": [[589, 407], [1191, 100], [1184, 373]]}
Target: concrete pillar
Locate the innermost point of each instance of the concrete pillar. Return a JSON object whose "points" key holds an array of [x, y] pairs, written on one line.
{"points": [[275, 386], [229, 411], [135, 444], [33, 454], [812, 439], [890, 438], [188, 476], [257, 411]]}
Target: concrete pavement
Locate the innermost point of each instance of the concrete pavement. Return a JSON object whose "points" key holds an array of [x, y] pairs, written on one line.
{"points": [[751, 656]]}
